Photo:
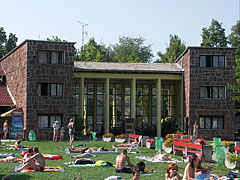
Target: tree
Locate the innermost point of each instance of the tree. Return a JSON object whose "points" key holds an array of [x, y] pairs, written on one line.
{"points": [[55, 38], [234, 41], [92, 51], [173, 51], [214, 36], [131, 50], [7, 44]]}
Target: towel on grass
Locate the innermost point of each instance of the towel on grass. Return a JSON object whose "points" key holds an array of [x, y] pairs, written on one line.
{"points": [[46, 169], [98, 152], [152, 159], [20, 149]]}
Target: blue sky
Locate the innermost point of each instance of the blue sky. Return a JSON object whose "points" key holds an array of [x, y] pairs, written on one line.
{"points": [[153, 20]]}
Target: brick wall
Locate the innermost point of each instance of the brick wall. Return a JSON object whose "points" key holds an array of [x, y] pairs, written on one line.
{"points": [[23, 75], [195, 77]]}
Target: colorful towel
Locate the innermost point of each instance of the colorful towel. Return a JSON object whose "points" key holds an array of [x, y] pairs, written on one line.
{"points": [[4, 155], [46, 169], [82, 165], [20, 149], [152, 159], [100, 152]]}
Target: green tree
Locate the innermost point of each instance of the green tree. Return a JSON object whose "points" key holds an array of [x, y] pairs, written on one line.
{"points": [[214, 36], [234, 41], [55, 38], [7, 43], [173, 51], [131, 50], [92, 51]]}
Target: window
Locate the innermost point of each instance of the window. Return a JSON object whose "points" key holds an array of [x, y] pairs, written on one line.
{"points": [[47, 121], [50, 89], [212, 92], [50, 57], [211, 122], [212, 61]]}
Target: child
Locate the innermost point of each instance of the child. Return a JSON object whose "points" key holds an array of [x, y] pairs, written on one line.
{"points": [[62, 131]]}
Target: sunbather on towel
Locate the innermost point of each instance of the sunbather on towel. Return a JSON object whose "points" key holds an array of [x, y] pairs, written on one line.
{"points": [[37, 165], [120, 163], [126, 145], [162, 157], [87, 150], [84, 155], [17, 145], [28, 155]]}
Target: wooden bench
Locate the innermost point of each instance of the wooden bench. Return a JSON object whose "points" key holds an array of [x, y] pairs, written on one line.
{"points": [[132, 137], [186, 147]]}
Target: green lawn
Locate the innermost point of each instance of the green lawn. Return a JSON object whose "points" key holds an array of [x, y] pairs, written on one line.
{"points": [[90, 173]]}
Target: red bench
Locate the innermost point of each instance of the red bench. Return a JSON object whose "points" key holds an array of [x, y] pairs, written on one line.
{"points": [[186, 147], [132, 137]]}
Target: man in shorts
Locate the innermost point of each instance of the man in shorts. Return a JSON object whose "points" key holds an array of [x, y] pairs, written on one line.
{"points": [[120, 163], [37, 165], [55, 131]]}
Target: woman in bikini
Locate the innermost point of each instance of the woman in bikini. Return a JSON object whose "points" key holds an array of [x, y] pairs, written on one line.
{"points": [[172, 172]]}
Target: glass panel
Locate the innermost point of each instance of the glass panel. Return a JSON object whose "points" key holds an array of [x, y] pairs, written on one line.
{"points": [[127, 111], [154, 101], [222, 92], [127, 91], [90, 100], [215, 61], [99, 110], [52, 120], [145, 90], [220, 122], [221, 61], [215, 92], [202, 61], [42, 57], [53, 89], [127, 100], [100, 90], [90, 89], [154, 120], [59, 90], [89, 110], [59, 119], [76, 90], [43, 121], [119, 91], [214, 122], [54, 57], [208, 123], [44, 89], [201, 125], [154, 91], [203, 92], [76, 101], [154, 111]]}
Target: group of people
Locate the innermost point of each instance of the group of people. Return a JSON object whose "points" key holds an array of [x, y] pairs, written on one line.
{"points": [[33, 159], [56, 131], [193, 167]]}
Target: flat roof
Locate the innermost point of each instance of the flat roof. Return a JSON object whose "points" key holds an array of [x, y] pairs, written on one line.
{"points": [[29, 40], [86, 66]]}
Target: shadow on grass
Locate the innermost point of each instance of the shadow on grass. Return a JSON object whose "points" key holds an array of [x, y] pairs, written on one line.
{"points": [[19, 177]]}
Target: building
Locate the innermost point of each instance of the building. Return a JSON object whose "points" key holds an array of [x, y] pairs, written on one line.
{"points": [[160, 97]]}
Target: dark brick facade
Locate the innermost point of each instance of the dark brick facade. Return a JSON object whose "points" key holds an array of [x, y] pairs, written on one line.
{"points": [[23, 74], [196, 76]]}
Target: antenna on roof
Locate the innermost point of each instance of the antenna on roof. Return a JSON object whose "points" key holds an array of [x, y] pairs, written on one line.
{"points": [[83, 32]]}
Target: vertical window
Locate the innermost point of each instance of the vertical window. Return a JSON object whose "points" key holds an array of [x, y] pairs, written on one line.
{"points": [[202, 61], [215, 61], [211, 122], [42, 57]]}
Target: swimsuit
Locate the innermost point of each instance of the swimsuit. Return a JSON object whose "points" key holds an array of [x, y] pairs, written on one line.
{"points": [[71, 132], [124, 170]]}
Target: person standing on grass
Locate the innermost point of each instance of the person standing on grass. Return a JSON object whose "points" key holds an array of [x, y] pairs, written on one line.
{"points": [[70, 126], [55, 131], [195, 129], [62, 131], [37, 165], [120, 163], [5, 129]]}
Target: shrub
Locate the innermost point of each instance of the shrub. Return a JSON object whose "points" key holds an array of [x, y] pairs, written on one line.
{"points": [[108, 135], [169, 135], [233, 157], [227, 143], [121, 136]]}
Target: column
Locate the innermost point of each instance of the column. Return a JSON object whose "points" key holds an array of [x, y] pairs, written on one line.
{"points": [[106, 125], [158, 107], [133, 98], [81, 101]]}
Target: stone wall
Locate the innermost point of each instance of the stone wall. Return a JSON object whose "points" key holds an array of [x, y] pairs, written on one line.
{"points": [[195, 77]]}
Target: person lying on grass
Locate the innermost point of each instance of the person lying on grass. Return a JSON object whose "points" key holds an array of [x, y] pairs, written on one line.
{"points": [[126, 145], [162, 157], [172, 172], [37, 165], [120, 163], [87, 150], [17, 145], [84, 155]]}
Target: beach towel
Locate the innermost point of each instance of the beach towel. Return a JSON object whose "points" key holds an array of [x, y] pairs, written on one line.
{"points": [[19, 149], [46, 169], [4, 155], [47, 156], [114, 178], [100, 152], [81, 165], [152, 159]]}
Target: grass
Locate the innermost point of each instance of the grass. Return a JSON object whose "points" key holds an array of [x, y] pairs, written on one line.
{"points": [[90, 173]]}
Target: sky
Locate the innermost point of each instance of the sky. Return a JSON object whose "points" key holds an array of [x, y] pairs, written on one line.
{"points": [[153, 20]]}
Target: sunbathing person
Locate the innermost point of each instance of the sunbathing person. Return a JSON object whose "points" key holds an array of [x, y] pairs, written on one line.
{"points": [[126, 145], [120, 163], [17, 145], [87, 150], [189, 172], [171, 172], [198, 165], [37, 165], [135, 173], [162, 157], [84, 155], [28, 155]]}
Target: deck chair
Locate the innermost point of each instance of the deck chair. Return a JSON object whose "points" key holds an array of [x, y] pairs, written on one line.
{"points": [[94, 136], [131, 146]]}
